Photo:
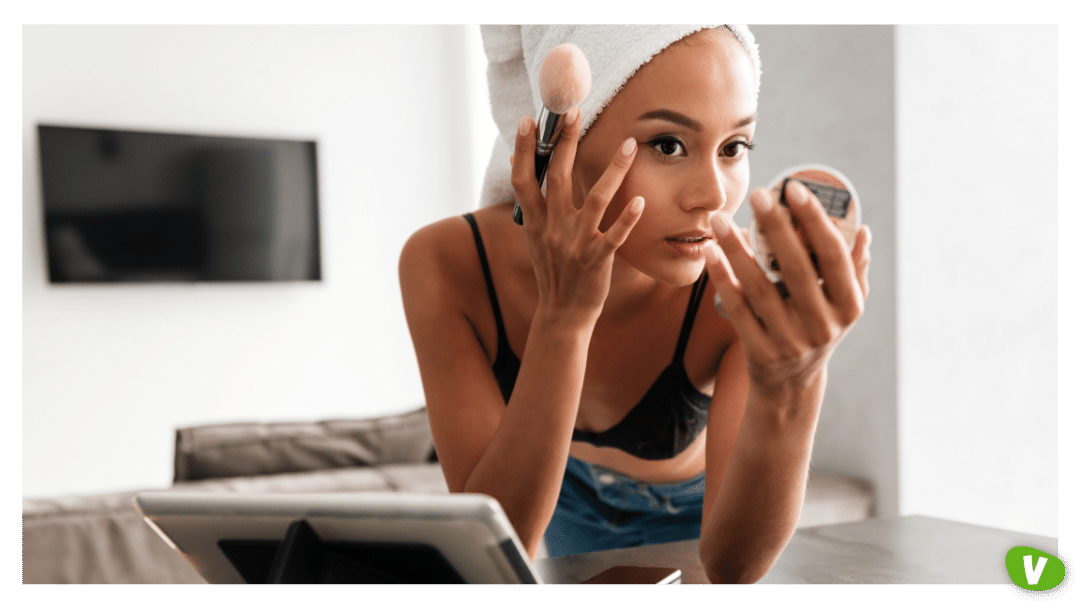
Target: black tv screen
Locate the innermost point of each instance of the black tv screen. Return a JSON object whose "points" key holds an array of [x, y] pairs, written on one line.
{"points": [[133, 206]]}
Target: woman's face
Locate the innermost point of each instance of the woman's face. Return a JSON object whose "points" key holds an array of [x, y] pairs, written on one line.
{"points": [[691, 110]]}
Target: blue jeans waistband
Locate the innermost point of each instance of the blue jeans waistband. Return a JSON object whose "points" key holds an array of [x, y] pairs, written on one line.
{"points": [[628, 494]]}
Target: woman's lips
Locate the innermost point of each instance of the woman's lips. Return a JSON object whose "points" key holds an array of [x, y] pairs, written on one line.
{"points": [[690, 245]]}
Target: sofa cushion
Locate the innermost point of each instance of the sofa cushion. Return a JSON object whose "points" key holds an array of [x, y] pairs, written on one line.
{"points": [[96, 539], [103, 539], [424, 478], [240, 449]]}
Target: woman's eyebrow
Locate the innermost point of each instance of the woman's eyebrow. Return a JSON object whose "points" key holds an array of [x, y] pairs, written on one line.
{"points": [[672, 116], [686, 121], [747, 121]]}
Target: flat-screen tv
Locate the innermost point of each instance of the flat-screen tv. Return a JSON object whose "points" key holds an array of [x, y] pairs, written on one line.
{"points": [[136, 206]]}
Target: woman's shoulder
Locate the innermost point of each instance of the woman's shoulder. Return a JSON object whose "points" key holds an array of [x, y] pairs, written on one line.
{"points": [[434, 256], [450, 241], [444, 255], [435, 241]]}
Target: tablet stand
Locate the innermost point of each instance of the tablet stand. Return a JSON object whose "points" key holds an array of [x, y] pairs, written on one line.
{"points": [[302, 557]]}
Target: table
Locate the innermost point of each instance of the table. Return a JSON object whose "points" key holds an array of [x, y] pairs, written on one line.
{"points": [[908, 549]]}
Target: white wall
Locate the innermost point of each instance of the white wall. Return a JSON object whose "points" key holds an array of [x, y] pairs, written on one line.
{"points": [[110, 371], [977, 245], [827, 97]]}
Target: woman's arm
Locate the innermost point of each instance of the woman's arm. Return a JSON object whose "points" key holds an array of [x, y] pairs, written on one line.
{"points": [[758, 456], [516, 452], [513, 452], [771, 382]]}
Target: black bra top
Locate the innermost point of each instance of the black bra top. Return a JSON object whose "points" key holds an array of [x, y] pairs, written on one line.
{"points": [[666, 420]]}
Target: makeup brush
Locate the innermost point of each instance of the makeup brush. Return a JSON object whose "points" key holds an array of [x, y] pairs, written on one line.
{"points": [[564, 81]]}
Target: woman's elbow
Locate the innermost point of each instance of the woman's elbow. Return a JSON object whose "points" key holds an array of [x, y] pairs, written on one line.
{"points": [[721, 569]]}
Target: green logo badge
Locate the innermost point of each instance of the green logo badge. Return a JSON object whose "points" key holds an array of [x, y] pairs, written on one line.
{"points": [[1034, 570]]}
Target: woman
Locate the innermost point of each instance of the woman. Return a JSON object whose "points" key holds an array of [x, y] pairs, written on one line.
{"points": [[568, 368]]}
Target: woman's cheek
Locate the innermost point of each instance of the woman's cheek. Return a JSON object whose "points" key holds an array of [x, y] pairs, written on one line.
{"points": [[742, 187], [626, 192], [634, 185], [588, 168], [615, 208]]}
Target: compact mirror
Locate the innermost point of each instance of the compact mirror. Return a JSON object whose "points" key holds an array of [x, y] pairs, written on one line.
{"points": [[836, 195]]}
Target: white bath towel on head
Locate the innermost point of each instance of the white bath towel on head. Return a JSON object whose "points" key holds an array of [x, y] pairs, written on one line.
{"points": [[615, 52]]}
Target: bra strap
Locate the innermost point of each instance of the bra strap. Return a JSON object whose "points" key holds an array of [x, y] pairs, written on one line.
{"points": [[696, 295], [503, 342]]}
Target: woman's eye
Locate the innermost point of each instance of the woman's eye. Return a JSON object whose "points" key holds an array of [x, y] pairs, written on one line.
{"points": [[737, 148], [667, 146]]}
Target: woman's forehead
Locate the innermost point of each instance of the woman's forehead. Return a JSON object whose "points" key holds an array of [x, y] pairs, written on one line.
{"points": [[709, 69]]}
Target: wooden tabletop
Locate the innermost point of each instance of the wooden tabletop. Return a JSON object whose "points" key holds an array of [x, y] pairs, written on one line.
{"points": [[909, 549]]}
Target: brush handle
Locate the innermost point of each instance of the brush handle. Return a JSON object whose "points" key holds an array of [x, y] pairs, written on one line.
{"points": [[548, 127], [542, 161], [541, 166]]}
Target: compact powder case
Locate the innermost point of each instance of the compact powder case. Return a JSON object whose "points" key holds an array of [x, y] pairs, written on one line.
{"points": [[836, 195]]}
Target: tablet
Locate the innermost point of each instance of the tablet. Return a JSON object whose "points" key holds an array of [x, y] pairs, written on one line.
{"points": [[363, 537]]}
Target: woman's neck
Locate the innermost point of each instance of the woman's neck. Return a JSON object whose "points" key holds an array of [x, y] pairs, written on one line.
{"points": [[631, 291]]}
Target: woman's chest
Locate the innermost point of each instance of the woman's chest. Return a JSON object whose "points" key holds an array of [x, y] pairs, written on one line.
{"points": [[645, 369], [671, 337]]}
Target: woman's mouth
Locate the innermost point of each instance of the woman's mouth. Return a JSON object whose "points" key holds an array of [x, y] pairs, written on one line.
{"points": [[690, 246]]}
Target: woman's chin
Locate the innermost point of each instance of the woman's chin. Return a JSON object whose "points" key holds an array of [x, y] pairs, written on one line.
{"points": [[674, 271]]}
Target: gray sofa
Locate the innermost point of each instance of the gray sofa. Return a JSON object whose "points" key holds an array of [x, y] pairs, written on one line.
{"points": [[102, 539]]}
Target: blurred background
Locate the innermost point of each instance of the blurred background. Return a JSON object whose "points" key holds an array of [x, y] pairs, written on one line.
{"points": [[944, 395]]}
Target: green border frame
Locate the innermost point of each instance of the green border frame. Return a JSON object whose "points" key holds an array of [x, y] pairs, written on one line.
{"points": [[323, 11]]}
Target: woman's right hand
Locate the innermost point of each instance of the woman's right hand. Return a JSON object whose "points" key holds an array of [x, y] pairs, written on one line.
{"points": [[571, 257]]}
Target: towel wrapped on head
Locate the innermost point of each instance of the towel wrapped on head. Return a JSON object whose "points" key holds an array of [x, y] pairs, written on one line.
{"points": [[615, 52]]}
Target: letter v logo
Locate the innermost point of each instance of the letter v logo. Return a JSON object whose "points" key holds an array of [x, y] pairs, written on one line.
{"points": [[1033, 574], [1034, 570]]}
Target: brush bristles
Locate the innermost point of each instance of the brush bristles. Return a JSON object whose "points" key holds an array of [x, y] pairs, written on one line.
{"points": [[564, 78]]}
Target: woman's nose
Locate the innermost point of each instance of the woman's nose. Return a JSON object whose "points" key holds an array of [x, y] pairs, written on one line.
{"points": [[708, 190]]}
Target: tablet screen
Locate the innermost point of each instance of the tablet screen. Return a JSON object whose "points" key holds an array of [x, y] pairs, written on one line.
{"points": [[340, 537]]}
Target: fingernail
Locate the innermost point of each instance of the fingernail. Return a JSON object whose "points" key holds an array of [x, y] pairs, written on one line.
{"points": [[761, 200], [523, 126], [573, 115], [628, 146], [799, 194], [868, 236], [636, 205]]}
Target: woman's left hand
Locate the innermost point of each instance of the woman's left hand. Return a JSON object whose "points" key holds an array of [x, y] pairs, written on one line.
{"points": [[788, 341]]}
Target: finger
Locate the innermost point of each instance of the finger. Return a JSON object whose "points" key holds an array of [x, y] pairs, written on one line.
{"points": [[559, 183], [834, 262], [860, 257], [523, 173], [604, 189], [729, 299], [760, 293], [796, 267], [617, 233]]}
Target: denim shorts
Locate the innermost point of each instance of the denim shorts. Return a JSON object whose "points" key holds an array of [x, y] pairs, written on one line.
{"points": [[601, 509]]}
